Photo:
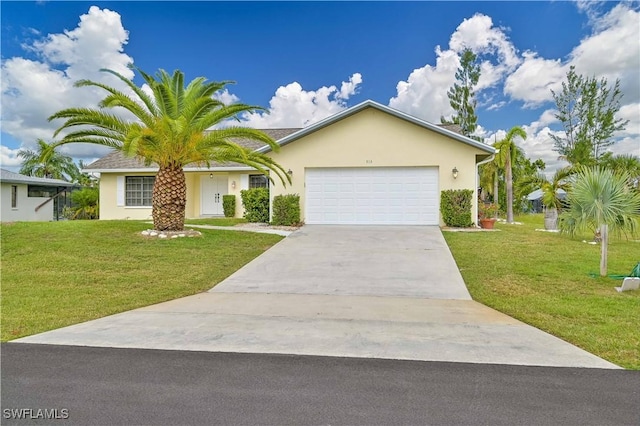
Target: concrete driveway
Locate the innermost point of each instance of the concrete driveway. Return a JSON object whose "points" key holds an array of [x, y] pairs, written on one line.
{"points": [[363, 291], [397, 261]]}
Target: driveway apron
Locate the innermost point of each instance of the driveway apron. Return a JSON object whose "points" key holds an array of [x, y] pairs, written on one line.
{"points": [[351, 291]]}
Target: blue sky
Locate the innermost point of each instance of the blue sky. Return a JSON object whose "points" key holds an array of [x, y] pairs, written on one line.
{"points": [[307, 60]]}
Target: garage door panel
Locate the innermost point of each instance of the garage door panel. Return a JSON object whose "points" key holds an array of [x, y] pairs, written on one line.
{"points": [[394, 195]]}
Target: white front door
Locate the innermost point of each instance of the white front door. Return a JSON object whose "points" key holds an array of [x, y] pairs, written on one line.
{"points": [[211, 191]]}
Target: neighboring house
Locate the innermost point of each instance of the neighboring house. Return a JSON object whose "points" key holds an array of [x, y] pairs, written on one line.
{"points": [[369, 164], [27, 198], [536, 200]]}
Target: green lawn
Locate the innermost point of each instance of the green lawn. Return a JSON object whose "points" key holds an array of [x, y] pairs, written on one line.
{"points": [[543, 279], [60, 273]]}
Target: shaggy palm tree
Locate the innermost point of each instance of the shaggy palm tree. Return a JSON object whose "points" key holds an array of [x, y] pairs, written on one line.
{"points": [[46, 162], [172, 130], [506, 157], [601, 199]]}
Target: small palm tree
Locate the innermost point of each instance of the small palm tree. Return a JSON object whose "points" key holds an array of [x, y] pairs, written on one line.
{"points": [[506, 157], [601, 199], [46, 162], [173, 129], [551, 190]]}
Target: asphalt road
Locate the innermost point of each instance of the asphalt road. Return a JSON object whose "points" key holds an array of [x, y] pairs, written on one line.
{"points": [[135, 386]]}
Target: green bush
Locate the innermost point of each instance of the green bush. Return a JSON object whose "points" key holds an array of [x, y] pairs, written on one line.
{"points": [[256, 204], [84, 204], [286, 210], [229, 205], [455, 207]]}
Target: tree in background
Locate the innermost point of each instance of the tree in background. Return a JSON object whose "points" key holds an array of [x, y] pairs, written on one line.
{"points": [[601, 199], [174, 127], [587, 109], [506, 158], [461, 95], [624, 163], [45, 162]]}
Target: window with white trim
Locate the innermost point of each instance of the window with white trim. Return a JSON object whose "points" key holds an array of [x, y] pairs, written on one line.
{"points": [[138, 190], [258, 181]]}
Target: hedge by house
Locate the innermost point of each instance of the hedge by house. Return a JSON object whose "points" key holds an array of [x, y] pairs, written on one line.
{"points": [[286, 210], [455, 207], [229, 205], [256, 204]]}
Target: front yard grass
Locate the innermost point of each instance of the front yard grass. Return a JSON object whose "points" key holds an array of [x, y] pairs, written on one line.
{"points": [[60, 273], [216, 221], [543, 279]]}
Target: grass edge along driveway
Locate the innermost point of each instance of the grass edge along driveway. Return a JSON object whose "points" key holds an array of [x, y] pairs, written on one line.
{"points": [[56, 274], [543, 279]]}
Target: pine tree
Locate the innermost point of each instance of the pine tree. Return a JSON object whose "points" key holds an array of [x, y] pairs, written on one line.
{"points": [[462, 96]]}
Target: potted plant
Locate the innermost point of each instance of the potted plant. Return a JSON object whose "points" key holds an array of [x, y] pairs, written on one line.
{"points": [[486, 215]]}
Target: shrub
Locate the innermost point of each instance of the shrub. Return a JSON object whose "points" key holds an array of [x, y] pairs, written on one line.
{"points": [[84, 204], [256, 204], [286, 210], [455, 206], [229, 205]]}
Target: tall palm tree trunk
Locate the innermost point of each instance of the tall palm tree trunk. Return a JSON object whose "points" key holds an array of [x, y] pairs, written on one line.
{"points": [[169, 199], [509, 184]]}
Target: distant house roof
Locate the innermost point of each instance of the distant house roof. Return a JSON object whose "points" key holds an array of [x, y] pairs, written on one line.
{"points": [[116, 160], [537, 194], [10, 177]]}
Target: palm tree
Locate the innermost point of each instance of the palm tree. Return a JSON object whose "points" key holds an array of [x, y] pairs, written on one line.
{"points": [[601, 199], [506, 157], [172, 130], [46, 162], [551, 191], [624, 163], [489, 180]]}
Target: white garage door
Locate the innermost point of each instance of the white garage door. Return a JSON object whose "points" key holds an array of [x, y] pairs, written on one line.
{"points": [[372, 196]]}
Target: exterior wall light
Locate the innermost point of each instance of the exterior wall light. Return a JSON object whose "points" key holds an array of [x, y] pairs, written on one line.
{"points": [[233, 184], [210, 175], [454, 172]]}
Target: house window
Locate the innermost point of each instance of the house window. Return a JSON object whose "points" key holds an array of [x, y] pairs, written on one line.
{"points": [[138, 190], [14, 196], [258, 181], [41, 191]]}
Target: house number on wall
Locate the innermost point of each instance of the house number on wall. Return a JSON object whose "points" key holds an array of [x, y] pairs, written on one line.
{"points": [[369, 161]]}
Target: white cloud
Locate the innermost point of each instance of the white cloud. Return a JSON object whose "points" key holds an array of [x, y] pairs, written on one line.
{"points": [[610, 52], [424, 93], [9, 158], [533, 80], [223, 96], [349, 88], [292, 106], [32, 90]]}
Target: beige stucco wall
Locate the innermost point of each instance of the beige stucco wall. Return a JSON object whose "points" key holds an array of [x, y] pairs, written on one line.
{"points": [[109, 210], [372, 138], [26, 206]]}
